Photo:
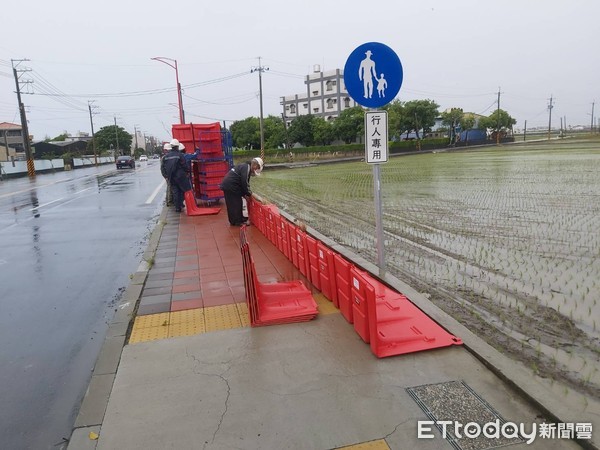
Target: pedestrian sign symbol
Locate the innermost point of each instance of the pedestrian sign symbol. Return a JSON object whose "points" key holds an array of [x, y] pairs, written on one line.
{"points": [[373, 75]]}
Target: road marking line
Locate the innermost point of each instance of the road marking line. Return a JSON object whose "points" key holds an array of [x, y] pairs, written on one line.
{"points": [[155, 193]]}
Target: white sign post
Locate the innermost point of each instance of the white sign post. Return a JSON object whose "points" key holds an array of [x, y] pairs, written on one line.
{"points": [[376, 152]]}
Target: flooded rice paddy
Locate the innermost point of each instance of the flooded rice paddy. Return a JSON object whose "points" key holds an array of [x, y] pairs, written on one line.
{"points": [[506, 240]]}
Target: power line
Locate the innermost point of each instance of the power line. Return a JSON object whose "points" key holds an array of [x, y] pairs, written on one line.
{"points": [[151, 91]]}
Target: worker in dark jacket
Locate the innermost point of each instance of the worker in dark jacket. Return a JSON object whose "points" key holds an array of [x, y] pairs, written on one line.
{"points": [[169, 197], [236, 185], [174, 168]]}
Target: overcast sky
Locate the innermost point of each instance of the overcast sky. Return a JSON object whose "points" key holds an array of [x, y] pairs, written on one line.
{"points": [[457, 53]]}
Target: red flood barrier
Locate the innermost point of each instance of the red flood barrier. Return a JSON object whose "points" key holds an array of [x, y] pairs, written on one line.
{"points": [[302, 253], [361, 286], [397, 326], [327, 272], [343, 286], [381, 316], [191, 209], [274, 303], [271, 216], [286, 235], [293, 237], [312, 259], [256, 214]]}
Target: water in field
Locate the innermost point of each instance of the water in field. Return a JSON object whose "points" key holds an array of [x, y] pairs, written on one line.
{"points": [[506, 240]]}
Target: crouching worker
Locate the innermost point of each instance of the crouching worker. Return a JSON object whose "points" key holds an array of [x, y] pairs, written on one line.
{"points": [[236, 185], [175, 170]]}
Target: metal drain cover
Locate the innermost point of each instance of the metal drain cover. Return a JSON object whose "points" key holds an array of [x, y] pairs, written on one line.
{"points": [[456, 402]]}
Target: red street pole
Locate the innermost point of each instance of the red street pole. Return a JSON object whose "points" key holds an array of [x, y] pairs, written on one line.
{"points": [[173, 64]]}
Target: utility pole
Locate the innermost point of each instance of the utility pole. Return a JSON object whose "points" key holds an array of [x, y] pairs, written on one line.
{"points": [[592, 125], [498, 119], [93, 136], [135, 135], [525, 131], [117, 135], [260, 69], [550, 106], [24, 127]]}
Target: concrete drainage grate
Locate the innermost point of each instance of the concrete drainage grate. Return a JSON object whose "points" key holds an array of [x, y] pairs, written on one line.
{"points": [[456, 402]]}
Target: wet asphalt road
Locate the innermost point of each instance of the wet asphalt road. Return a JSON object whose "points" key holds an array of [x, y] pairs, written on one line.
{"points": [[68, 244]]}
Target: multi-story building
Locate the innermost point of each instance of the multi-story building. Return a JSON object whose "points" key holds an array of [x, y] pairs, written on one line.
{"points": [[11, 141], [326, 96]]}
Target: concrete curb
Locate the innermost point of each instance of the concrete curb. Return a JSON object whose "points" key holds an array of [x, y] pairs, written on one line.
{"points": [[93, 407]]}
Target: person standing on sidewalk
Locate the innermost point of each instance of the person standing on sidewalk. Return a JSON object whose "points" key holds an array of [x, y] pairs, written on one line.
{"points": [[174, 168], [169, 199], [189, 157], [236, 185]]}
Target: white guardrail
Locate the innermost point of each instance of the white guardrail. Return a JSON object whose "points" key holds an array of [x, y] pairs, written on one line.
{"points": [[42, 165]]}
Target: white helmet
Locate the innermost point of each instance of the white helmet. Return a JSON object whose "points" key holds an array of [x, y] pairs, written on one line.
{"points": [[167, 147], [175, 143], [261, 164], [181, 147]]}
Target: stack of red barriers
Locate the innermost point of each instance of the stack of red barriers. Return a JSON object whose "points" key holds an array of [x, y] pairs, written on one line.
{"points": [[274, 303]]}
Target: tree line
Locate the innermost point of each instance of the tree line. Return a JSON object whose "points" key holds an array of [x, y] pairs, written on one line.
{"points": [[412, 118]]}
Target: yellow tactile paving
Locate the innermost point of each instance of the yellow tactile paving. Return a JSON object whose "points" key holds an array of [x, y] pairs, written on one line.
{"points": [[243, 312], [186, 328], [139, 334], [222, 317], [324, 305], [188, 315], [379, 444], [152, 320], [189, 322]]}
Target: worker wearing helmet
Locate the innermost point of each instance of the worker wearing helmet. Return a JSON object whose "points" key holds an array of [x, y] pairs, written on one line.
{"points": [[169, 199], [175, 170], [236, 186]]}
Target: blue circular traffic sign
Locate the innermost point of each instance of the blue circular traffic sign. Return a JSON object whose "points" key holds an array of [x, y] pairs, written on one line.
{"points": [[373, 75]]}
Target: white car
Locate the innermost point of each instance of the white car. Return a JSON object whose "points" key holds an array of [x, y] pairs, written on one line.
{"points": [[143, 158]]}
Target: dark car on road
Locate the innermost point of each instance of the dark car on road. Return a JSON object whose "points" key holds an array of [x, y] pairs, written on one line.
{"points": [[125, 162]]}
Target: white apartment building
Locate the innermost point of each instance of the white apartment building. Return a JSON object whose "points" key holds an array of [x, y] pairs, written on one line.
{"points": [[326, 96]]}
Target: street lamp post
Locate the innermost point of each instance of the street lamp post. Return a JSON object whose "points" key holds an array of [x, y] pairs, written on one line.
{"points": [[173, 63]]}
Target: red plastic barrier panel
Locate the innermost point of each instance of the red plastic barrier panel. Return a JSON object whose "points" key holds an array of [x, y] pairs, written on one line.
{"points": [[271, 218], [283, 238], [255, 214], [362, 287], [278, 233], [293, 238], [312, 258], [327, 272], [343, 286], [397, 326], [252, 211], [302, 253], [183, 132]]}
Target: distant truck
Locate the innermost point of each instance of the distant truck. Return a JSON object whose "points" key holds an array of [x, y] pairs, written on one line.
{"points": [[473, 136]]}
